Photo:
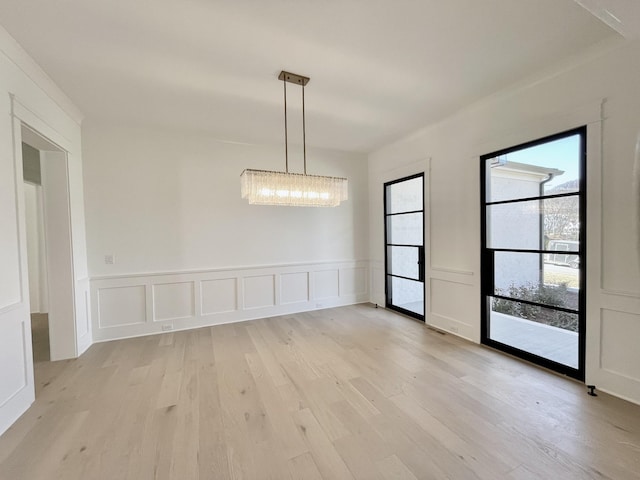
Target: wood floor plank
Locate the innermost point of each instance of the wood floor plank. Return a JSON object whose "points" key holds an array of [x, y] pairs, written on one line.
{"points": [[352, 392], [303, 467], [361, 430], [213, 454], [184, 462], [289, 440], [329, 462], [357, 458], [392, 468]]}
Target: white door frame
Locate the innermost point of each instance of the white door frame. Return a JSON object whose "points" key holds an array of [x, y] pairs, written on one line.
{"points": [[17, 390], [57, 226]]}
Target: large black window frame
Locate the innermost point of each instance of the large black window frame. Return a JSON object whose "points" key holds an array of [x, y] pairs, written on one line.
{"points": [[488, 288], [420, 277]]}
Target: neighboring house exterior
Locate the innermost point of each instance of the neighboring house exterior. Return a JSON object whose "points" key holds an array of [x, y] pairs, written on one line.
{"points": [[517, 224]]}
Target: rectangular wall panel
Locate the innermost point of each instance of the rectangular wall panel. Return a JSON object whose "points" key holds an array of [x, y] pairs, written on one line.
{"points": [[619, 353], [353, 281], [294, 287], [82, 310], [327, 284], [259, 291], [9, 242], [121, 306], [218, 296], [12, 352], [445, 301], [173, 300], [377, 282], [16, 366]]}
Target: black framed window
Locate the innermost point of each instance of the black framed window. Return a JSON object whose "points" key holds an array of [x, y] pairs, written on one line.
{"points": [[533, 251], [404, 245]]}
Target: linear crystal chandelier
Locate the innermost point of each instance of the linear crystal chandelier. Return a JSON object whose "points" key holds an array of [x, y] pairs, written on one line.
{"points": [[264, 187]]}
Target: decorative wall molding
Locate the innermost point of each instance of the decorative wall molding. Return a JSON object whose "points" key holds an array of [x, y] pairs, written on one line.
{"points": [[446, 312], [10, 307], [621, 293], [16, 390], [452, 270], [141, 304], [38, 125], [230, 268], [83, 314], [452, 275], [618, 354]]}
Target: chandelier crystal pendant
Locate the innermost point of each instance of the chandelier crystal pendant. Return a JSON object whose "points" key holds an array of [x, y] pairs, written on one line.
{"points": [[264, 187]]}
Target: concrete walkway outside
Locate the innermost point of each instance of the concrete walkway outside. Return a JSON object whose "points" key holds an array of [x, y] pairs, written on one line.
{"points": [[546, 341]]}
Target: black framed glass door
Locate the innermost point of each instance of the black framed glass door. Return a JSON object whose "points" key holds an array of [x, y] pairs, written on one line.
{"points": [[404, 245], [533, 251]]}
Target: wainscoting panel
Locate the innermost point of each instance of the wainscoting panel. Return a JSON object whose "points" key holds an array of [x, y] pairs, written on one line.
{"points": [[132, 305], [294, 288], [353, 281], [219, 296], [13, 344], [449, 308], [119, 306], [326, 284], [83, 314], [172, 301], [16, 387], [619, 353], [259, 291], [613, 329], [377, 283]]}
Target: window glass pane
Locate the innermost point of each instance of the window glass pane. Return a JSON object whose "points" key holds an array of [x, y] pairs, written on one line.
{"points": [[405, 229], [407, 294], [527, 276], [403, 261], [551, 224], [547, 169], [405, 196], [544, 332]]}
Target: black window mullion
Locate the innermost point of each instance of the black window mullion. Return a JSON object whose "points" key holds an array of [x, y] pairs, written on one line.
{"points": [[403, 213], [403, 245], [529, 250], [536, 304], [401, 276], [531, 199]]}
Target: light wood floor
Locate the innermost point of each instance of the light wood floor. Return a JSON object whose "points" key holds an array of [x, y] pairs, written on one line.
{"points": [[345, 393]]}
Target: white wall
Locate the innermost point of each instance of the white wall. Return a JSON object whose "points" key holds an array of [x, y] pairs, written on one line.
{"points": [[167, 206], [27, 95], [530, 111]]}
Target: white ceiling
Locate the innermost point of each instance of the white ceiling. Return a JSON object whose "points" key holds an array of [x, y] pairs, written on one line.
{"points": [[621, 15], [379, 69]]}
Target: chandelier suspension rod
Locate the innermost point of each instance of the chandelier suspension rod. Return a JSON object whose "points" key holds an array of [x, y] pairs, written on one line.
{"points": [[304, 135], [286, 142]]}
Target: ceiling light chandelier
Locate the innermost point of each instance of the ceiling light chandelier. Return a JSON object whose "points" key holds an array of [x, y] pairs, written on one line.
{"points": [[264, 187]]}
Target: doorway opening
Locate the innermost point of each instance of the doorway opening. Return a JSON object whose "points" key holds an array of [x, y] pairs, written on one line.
{"points": [[533, 251], [404, 245], [49, 258], [36, 253]]}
